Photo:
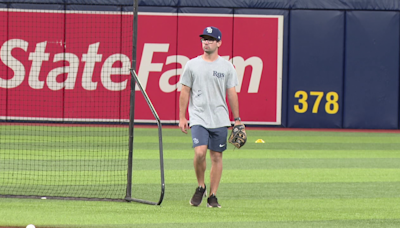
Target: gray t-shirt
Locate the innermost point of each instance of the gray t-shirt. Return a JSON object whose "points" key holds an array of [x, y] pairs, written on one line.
{"points": [[208, 82]]}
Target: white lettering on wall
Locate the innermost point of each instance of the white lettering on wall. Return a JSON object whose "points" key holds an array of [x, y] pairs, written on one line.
{"points": [[257, 66], [146, 65], [37, 59], [90, 60], [108, 69], [164, 79], [71, 72], [16, 66]]}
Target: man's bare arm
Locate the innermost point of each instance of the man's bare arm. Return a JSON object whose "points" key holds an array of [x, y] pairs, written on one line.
{"points": [[183, 104], [233, 103]]}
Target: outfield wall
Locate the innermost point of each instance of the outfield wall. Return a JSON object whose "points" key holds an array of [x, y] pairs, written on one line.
{"points": [[308, 64]]}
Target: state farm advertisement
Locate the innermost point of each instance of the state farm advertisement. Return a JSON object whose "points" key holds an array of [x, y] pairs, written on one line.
{"points": [[75, 65]]}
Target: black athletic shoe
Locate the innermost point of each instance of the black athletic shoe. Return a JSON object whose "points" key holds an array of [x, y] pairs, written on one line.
{"points": [[198, 196], [212, 201]]}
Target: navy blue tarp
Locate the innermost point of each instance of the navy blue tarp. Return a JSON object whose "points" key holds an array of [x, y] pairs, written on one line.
{"points": [[256, 4]]}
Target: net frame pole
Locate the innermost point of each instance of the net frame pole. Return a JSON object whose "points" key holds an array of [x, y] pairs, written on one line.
{"points": [[132, 102], [134, 81], [160, 142]]}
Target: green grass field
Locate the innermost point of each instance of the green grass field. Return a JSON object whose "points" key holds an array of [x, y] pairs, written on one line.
{"points": [[294, 179]]}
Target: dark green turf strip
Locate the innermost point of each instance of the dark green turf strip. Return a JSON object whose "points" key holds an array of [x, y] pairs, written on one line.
{"points": [[280, 163], [336, 190], [186, 176], [54, 146], [276, 191], [324, 146], [187, 164], [69, 165], [361, 223], [99, 145], [115, 191], [28, 129]]}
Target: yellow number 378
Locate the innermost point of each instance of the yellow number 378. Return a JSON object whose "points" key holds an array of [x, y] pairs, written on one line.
{"points": [[331, 105]]}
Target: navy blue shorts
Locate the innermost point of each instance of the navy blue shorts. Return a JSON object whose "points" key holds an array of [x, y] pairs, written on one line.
{"points": [[214, 138]]}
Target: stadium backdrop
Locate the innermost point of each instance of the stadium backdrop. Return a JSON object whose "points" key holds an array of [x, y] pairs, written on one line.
{"points": [[305, 63]]}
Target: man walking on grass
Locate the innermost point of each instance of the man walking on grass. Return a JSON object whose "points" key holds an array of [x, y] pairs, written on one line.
{"points": [[206, 81]]}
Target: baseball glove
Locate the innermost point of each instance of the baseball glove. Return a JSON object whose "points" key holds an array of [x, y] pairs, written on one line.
{"points": [[238, 136]]}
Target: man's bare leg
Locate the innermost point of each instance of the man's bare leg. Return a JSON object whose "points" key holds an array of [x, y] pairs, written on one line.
{"points": [[216, 171], [199, 163]]}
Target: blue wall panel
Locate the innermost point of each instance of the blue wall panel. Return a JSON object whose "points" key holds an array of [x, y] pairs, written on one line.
{"points": [[152, 9], [37, 6], [94, 8], [260, 4], [205, 10], [316, 69], [372, 70]]}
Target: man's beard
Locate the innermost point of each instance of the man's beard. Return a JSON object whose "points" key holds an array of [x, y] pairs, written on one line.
{"points": [[209, 51]]}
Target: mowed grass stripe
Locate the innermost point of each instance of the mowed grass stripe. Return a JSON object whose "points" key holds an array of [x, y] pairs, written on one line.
{"points": [[187, 176], [307, 190], [188, 154], [266, 154], [187, 164], [299, 190], [179, 212], [104, 130], [71, 133], [104, 145], [363, 223], [105, 164], [277, 163], [110, 136], [280, 175], [314, 209]]}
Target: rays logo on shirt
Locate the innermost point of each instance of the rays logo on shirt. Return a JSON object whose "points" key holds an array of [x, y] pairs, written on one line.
{"points": [[218, 75]]}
